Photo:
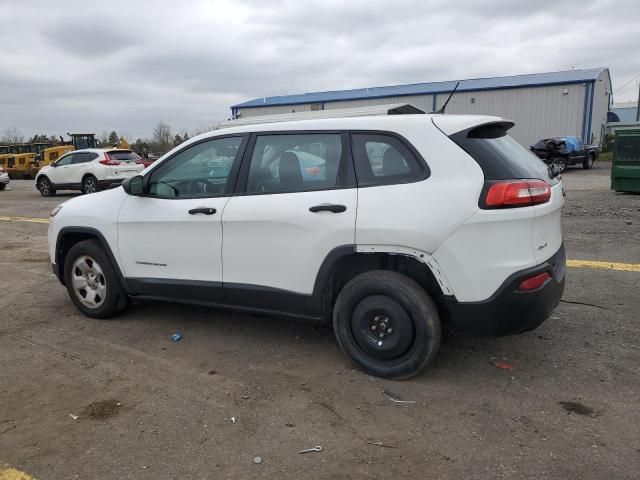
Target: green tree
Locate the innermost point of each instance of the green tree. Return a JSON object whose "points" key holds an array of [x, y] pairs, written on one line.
{"points": [[113, 138]]}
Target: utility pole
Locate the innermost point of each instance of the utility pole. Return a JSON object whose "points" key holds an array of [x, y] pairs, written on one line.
{"points": [[638, 105]]}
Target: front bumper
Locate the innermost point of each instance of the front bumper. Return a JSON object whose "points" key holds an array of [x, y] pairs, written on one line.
{"points": [[4, 178], [510, 311]]}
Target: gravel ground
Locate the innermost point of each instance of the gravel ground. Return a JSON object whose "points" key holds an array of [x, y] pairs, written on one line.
{"points": [[81, 398]]}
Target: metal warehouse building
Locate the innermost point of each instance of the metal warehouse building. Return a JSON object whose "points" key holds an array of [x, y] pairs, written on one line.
{"points": [[543, 105]]}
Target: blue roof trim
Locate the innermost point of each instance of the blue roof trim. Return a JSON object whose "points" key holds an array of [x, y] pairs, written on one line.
{"points": [[477, 84]]}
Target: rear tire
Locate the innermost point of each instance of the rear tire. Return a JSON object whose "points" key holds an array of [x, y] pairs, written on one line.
{"points": [[3, 186], [588, 162], [90, 184], [92, 283], [45, 188], [387, 324]]}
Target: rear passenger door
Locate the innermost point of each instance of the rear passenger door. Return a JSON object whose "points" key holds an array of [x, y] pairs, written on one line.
{"points": [[295, 203], [79, 166], [389, 207]]}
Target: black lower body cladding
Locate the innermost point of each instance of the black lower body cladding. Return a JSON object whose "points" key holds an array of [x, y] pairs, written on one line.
{"points": [[510, 311]]}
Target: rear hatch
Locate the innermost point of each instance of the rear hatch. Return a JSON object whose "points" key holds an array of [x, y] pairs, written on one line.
{"points": [[505, 162], [125, 163]]}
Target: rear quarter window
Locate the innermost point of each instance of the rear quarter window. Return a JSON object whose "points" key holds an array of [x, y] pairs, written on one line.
{"points": [[499, 155], [383, 159]]}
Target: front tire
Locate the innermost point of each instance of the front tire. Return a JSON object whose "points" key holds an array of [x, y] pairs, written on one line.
{"points": [[45, 188], [92, 282], [387, 324], [90, 184], [560, 163], [3, 186]]}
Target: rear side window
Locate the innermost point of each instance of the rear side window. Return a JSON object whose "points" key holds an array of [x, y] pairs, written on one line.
{"points": [[383, 159], [499, 155], [84, 157], [124, 156], [295, 162]]}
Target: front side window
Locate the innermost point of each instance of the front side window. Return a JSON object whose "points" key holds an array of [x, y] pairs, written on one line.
{"points": [[295, 162], [201, 170], [383, 159], [66, 160]]}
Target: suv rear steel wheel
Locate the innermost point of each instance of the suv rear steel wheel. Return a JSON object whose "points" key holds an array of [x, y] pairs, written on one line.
{"points": [[387, 324]]}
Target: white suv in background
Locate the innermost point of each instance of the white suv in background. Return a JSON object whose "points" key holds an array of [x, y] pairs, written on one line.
{"points": [[384, 226], [88, 170]]}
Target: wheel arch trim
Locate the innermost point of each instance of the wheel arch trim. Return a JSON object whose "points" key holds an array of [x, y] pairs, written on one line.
{"points": [[418, 255], [92, 232]]}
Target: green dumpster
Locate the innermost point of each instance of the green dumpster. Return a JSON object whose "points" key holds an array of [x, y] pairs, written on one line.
{"points": [[625, 170]]}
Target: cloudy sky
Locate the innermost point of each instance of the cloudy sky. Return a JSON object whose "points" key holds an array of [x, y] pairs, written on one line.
{"points": [[70, 65]]}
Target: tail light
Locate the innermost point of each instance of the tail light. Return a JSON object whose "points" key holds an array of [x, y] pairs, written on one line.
{"points": [[516, 193], [109, 161], [534, 283]]}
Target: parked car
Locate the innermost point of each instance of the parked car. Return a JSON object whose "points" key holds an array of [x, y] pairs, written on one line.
{"points": [[4, 179], [88, 170], [565, 151], [409, 221]]}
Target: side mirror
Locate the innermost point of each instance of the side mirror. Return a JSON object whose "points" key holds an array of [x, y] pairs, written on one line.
{"points": [[134, 185], [54, 164]]}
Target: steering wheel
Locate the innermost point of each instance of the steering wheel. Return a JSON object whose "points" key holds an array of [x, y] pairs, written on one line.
{"points": [[199, 187]]}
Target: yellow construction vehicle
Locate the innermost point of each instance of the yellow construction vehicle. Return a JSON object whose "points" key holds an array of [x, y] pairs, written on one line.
{"points": [[19, 164], [5, 153], [46, 154]]}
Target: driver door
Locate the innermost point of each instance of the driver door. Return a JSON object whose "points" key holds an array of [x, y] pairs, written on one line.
{"points": [[61, 173], [170, 238]]}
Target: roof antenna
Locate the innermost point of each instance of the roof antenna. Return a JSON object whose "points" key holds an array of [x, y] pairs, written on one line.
{"points": [[441, 111]]}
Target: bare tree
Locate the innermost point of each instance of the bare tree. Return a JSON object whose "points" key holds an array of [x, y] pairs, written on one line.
{"points": [[162, 137], [13, 135], [104, 138]]}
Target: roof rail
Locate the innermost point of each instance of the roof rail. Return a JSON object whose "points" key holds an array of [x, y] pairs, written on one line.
{"points": [[391, 109]]}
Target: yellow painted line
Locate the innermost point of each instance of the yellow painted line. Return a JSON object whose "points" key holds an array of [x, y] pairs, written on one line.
{"points": [[8, 473], [623, 267], [23, 219]]}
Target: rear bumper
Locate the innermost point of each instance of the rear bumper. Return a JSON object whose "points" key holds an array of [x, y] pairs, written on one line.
{"points": [[510, 311]]}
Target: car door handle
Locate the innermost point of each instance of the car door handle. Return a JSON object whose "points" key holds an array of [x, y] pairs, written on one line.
{"points": [[328, 207], [205, 210]]}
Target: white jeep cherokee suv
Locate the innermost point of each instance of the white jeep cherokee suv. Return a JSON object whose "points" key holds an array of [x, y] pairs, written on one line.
{"points": [[385, 226], [88, 170]]}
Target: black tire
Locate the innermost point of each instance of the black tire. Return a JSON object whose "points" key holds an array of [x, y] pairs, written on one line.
{"points": [[44, 187], [3, 186], [90, 185], [383, 297], [588, 162], [114, 299], [560, 163]]}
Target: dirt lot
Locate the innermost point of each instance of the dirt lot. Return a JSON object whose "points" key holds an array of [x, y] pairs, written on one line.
{"points": [[147, 407]]}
